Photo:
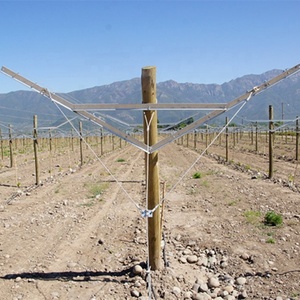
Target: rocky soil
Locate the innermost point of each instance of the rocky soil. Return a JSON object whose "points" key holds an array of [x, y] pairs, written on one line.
{"points": [[80, 234]]}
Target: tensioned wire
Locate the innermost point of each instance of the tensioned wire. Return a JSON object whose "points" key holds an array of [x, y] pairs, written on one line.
{"points": [[202, 153], [180, 179], [146, 212], [97, 157]]}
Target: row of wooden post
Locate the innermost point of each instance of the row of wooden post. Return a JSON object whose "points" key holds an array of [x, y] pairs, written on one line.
{"points": [[270, 133], [36, 145]]}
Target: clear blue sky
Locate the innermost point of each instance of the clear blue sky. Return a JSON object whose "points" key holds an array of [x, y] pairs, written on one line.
{"points": [[72, 45]]}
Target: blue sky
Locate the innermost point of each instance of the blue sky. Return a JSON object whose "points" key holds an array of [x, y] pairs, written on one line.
{"points": [[72, 45]]}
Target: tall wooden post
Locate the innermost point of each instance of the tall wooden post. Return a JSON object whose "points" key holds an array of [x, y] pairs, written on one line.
{"points": [[101, 141], [35, 149], [256, 137], [206, 138], [271, 140], [297, 138], [81, 148], [148, 81], [226, 140], [11, 148], [50, 141]]}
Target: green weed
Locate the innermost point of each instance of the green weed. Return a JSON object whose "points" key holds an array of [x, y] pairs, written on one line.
{"points": [[120, 160], [197, 175], [272, 219], [270, 240]]}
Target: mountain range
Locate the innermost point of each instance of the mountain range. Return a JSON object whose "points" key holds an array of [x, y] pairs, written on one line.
{"points": [[17, 108]]}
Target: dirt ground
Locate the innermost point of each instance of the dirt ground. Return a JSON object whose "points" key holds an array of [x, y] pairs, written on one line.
{"points": [[79, 233]]}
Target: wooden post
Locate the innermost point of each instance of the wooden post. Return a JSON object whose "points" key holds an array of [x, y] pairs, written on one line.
{"points": [[35, 149], [256, 137], [206, 139], [113, 143], [195, 139], [271, 141], [233, 135], [297, 138], [11, 148], [101, 140], [50, 141], [226, 141], [81, 149], [148, 81]]}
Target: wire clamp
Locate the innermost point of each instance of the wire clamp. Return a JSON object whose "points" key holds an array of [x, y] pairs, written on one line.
{"points": [[147, 213]]}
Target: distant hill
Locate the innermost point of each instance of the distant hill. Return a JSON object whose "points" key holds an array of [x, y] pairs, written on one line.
{"points": [[18, 108]]}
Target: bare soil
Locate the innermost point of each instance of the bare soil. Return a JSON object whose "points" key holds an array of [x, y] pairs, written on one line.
{"points": [[79, 233]]}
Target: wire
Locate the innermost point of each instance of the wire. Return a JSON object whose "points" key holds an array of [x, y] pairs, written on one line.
{"points": [[202, 153], [99, 160]]}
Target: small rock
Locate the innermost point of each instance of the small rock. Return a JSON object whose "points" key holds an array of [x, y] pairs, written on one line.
{"points": [[203, 287], [137, 270], [213, 282], [178, 238], [228, 288], [188, 295], [192, 259], [245, 256], [135, 293], [187, 252], [176, 290], [240, 281], [183, 260], [71, 264], [196, 287], [243, 295], [224, 264]]}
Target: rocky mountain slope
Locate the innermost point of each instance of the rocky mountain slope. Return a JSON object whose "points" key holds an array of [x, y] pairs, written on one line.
{"points": [[17, 108]]}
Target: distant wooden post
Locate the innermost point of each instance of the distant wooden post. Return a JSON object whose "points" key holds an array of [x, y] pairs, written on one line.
{"points": [[35, 149], [113, 143], [11, 148], [297, 138], [101, 141], [256, 137], [206, 139], [148, 81], [233, 135], [50, 141], [226, 140], [271, 141], [81, 148], [195, 139]]}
